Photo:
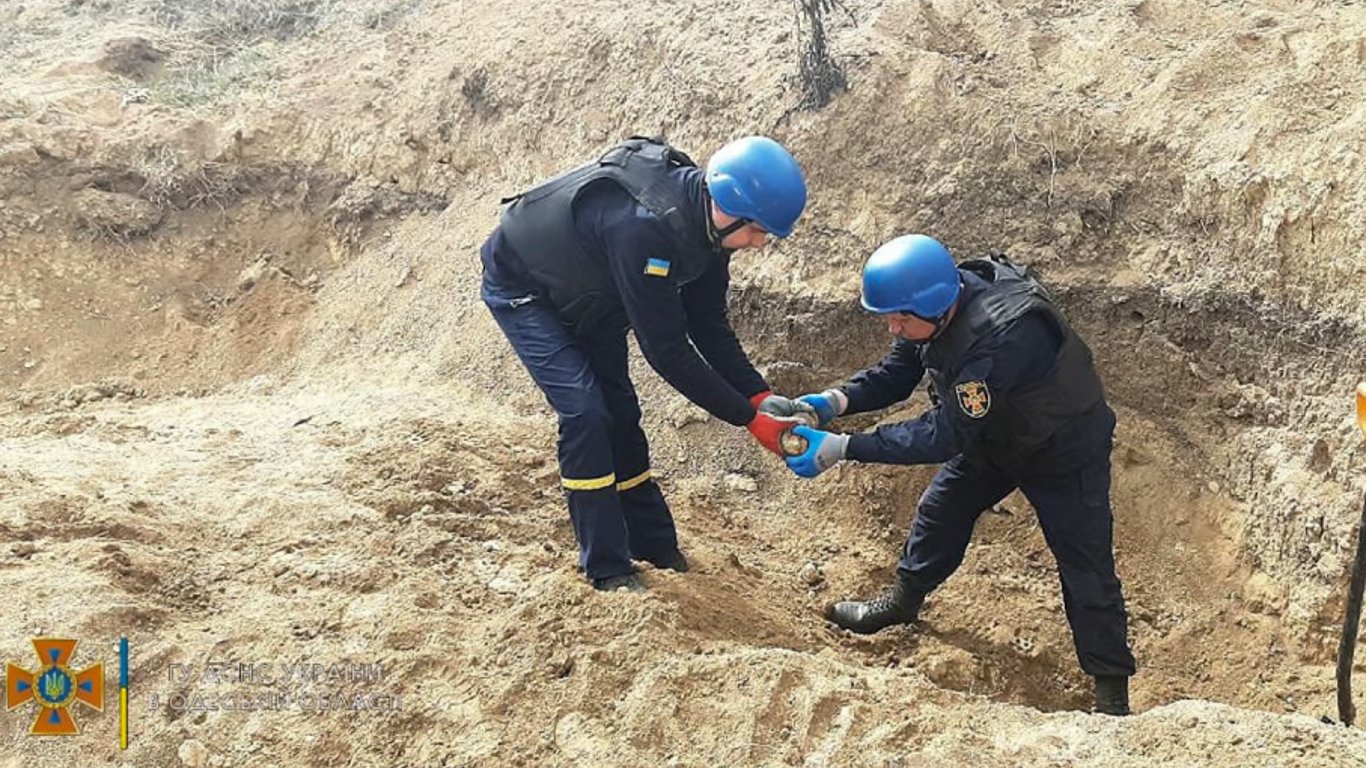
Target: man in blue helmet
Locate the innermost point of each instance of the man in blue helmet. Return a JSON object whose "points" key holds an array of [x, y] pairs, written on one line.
{"points": [[638, 239], [1016, 404]]}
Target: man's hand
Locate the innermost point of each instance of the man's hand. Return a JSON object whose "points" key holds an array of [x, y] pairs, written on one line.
{"points": [[768, 430], [827, 405], [785, 408], [823, 451]]}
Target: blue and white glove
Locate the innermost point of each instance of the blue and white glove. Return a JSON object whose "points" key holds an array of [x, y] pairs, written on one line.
{"points": [[823, 451], [828, 405]]}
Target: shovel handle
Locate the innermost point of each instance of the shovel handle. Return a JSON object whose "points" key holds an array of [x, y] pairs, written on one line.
{"points": [[1352, 621]]}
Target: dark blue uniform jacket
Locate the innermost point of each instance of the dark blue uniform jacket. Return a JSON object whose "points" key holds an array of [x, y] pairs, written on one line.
{"points": [[1022, 352], [683, 330]]}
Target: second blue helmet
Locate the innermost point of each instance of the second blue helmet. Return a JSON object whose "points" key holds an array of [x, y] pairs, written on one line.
{"points": [[913, 274]]}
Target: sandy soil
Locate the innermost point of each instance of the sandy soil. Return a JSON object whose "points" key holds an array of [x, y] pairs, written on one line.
{"points": [[254, 415]]}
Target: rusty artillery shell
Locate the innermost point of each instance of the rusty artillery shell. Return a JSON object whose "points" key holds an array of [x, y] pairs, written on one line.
{"points": [[793, 444]]}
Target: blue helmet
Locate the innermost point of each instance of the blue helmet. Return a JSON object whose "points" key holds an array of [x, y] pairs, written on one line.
{"points": [[755, 179], [912, 273]]}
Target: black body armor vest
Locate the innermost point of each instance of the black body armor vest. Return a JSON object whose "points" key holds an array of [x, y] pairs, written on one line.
{"points": [[1023, 422], [539, 224]]}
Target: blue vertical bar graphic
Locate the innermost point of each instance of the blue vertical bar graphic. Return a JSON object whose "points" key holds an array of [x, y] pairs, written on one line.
{"points": [[123, 693]]}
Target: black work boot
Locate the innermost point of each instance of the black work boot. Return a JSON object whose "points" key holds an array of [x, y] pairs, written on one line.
{"points": [[628, 583], [674, 561], [1112, 694], [900, 604]]}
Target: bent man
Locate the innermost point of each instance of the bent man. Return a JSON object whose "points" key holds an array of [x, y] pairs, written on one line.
{"points": [[638, 239], [1018, 404]]}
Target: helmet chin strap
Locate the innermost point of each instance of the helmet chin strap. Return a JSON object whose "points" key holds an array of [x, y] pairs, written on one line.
{"points": [[939, 326], [730, 229], [942, 322], [716, 234]]}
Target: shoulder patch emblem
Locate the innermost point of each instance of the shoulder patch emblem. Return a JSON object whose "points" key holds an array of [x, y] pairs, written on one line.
{"points": [[657, 268], [974, 398]]}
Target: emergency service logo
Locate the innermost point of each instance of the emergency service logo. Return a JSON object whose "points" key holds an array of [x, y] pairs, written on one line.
{"points": [[974, 398], [55, 687]]}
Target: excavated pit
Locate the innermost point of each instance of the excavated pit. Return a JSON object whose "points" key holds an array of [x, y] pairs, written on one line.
{"points": [[1181, 535]]}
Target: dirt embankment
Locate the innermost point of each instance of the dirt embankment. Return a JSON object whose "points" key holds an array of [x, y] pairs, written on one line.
{"points": [[256, 411]]}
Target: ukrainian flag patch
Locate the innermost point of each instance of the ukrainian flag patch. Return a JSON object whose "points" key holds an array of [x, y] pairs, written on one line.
{"points": [[657, 268]]}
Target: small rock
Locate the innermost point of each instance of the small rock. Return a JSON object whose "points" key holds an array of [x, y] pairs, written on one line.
{"points": [[115, 213], [33, 305], [688, 415], [1273, 410], [811, 574], [1213, 486], [193, 754], [18, 154], [24, 549], [132, 57], [506, 583], [261, 384], [1200, 372], [562, 664], [739, 482], [252, 275], [493, 546], [1135, 457]]}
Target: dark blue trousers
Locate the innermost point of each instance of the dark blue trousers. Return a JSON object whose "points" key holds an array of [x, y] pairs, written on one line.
{"points": [[617, 510], [1074, 512]]}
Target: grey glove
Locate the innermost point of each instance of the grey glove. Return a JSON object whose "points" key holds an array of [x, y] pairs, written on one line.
{"points": [[787, 408]]}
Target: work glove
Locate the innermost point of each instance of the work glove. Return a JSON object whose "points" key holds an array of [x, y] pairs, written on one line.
{"points": [[827, 405], [786, 408], [768, 430], [823, 451]]}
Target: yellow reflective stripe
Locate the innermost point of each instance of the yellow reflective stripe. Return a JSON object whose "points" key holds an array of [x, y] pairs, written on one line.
{"points": [[627, 485], [591, 484]]}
